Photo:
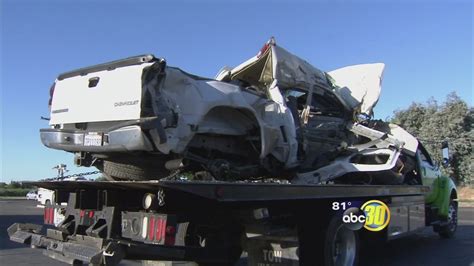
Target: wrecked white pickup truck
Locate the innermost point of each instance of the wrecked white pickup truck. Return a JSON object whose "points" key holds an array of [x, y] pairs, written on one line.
{"points": [[274, 115]]}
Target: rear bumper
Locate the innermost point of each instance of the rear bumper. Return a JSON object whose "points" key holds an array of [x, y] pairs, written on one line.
{"points": [[53, 242], [94, 250], [86, 249], [124, 137]]}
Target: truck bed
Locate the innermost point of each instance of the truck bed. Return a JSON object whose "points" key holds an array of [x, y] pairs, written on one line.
{"points": [[244, 191]]}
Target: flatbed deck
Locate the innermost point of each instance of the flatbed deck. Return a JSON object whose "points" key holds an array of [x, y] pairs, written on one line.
{"points": [[244, 191]]}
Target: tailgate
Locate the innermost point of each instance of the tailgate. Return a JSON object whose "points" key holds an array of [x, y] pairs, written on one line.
{"points": [[107, 92]]}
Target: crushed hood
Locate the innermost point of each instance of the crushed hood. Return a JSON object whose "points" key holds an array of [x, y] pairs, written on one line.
{"points": [[357, 86]]}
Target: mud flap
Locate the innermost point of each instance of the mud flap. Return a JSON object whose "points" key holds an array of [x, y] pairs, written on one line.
{"points": [[264, 250]]}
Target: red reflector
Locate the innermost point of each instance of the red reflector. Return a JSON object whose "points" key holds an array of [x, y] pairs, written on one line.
{"points": [[82, 213], [160, 229], [170, 235], [151, 228], [170, 230], [51, 215], [46, 215], [91, 214]]}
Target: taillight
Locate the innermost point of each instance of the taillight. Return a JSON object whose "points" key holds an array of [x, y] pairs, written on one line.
{"points": [[151, 229], [86, 217], [144, 227], [51, 93], [48, 215], [160, 229], [155, 229], [170, 235]]}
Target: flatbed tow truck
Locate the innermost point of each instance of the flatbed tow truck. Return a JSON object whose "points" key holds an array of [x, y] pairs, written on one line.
{"points": [[212, 223]]}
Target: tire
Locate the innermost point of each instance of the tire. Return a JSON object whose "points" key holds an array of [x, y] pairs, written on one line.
{"points": [[117, 171], [341, 245], [448, 230]]}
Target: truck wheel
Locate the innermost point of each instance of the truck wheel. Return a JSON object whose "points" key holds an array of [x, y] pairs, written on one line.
{"points": [[116, 171], [341, 244], [448, 230]]}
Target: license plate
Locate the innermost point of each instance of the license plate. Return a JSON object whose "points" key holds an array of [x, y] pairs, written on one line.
{"points": [[93, 139]]}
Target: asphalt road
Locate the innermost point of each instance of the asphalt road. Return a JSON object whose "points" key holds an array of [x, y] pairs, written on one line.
{"points": [[424, 248]]}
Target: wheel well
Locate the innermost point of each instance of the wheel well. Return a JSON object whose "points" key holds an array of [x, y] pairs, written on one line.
{"points": [[218, 118], [454, 194], [224, 123], [228, 133]]}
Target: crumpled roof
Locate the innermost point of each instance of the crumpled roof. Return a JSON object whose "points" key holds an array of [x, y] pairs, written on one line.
{"points": [[274, 62], [358, 86]]}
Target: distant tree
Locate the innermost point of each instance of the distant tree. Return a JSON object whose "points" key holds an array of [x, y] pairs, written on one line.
{"points": [[14, 184], [26, 184], [453, 121]]}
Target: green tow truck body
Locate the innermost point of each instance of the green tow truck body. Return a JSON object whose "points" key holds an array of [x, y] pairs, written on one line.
{"points": [[444, 190]]}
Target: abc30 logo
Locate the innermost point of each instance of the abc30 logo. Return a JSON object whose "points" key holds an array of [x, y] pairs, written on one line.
{"points": [[373, 215]]}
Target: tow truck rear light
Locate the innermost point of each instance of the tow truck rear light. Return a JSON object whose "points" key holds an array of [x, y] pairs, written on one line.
{"points": [[170, 230], [152, 228], [48, 215], [170, 235], [86, 217], [160, 229], [144, 227]]}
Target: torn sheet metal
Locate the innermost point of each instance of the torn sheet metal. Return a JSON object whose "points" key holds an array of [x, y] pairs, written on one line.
{"points": [[275, 63], [349, 164], [359, 84]]}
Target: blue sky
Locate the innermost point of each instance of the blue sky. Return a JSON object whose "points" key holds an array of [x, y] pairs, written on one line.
{"points": [[426, 46]]}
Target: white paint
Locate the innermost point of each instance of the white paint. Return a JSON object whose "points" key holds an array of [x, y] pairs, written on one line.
{"points": [[272, 255], [100, 103], [360, 84], [144, 227]]}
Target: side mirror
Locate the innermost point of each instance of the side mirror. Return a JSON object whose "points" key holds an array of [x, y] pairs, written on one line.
{"points": [[445, 151]]}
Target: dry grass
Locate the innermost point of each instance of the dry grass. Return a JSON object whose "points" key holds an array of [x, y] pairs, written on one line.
{"points": [[466, 194]]}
